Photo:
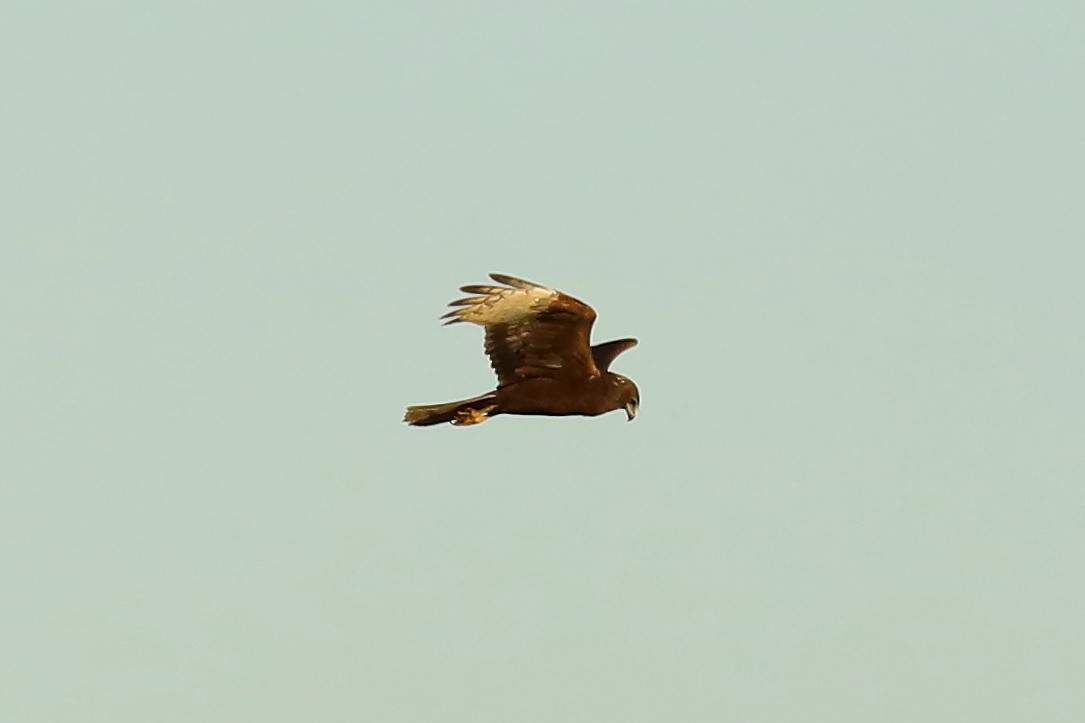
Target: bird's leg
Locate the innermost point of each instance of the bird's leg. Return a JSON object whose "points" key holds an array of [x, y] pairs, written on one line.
{"points": [[468, 416]]}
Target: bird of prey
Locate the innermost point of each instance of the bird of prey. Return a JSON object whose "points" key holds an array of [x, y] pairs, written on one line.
{"points": [[538, 341]]}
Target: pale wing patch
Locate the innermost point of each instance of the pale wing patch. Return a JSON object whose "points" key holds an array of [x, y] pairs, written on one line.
{"points": [[514, 302]]}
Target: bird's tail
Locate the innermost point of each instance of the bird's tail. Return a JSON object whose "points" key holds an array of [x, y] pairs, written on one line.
{"points": [[465, 411]]}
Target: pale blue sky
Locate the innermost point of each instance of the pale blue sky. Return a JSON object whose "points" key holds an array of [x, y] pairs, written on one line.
{"points": [[850, 240]]}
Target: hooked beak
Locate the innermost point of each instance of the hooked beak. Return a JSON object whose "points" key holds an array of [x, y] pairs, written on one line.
{"points": [[630, 411]]}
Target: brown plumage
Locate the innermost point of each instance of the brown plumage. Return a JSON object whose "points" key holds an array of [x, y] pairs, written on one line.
{"points": [[538, 341]]}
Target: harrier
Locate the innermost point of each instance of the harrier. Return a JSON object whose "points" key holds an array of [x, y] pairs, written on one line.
{"points": [[538, 341]]}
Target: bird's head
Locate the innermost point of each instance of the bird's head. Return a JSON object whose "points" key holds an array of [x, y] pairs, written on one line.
{"points": [[628, 396]]}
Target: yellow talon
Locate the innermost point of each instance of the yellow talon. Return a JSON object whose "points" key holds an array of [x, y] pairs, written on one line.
{"points": [[472, 416]]}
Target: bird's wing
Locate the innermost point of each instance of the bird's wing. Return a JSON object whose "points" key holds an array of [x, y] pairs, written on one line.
{"points": [[531, 330], [603, 354]]}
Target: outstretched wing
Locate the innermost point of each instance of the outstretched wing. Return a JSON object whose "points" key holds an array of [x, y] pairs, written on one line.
{"points": [[531, 330], [603, 354]]}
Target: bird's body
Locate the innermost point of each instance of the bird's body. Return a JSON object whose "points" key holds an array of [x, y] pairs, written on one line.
{"points": [[588, 397], [537, 339]]}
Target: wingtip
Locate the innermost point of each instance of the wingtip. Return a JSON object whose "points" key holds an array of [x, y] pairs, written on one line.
{"points": [[477, 289], [513, 281], [452, 316]]}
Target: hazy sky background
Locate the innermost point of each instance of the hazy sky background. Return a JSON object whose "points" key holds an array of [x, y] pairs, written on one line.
{"points": [[850, 240]]}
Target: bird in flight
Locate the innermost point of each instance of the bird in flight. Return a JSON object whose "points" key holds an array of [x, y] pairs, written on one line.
{"points": [[538, 341]]}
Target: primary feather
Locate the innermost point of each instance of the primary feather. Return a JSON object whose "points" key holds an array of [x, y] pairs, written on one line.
{"points": [[515, 301]]}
